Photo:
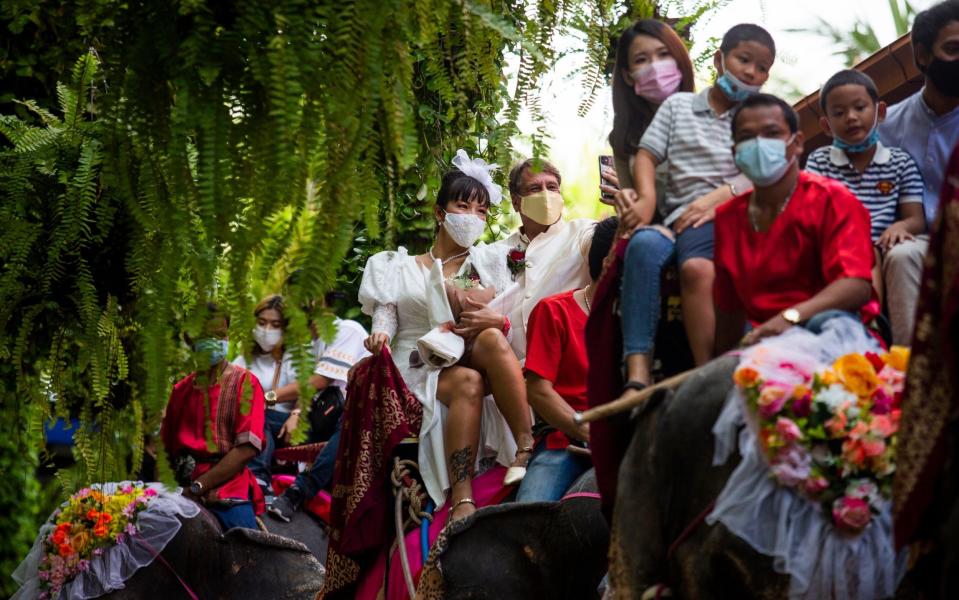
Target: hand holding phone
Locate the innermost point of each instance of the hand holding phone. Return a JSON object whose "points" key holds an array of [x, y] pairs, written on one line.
{"points": [[608, 181]]}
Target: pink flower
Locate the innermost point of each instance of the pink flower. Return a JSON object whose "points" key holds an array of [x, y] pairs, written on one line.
{"points": [[791, 466], [881, 402], [896, 380], [873, 447], [815, 485], [771, 399], [802, 404], [883, 425], [851, 514], [788, 430], [149, 492]]}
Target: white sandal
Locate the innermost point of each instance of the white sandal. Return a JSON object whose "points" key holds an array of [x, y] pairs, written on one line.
{"points": [[516, 474]]}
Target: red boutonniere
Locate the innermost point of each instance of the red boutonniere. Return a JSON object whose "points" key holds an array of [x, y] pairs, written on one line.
{"points": [[516, 260]]}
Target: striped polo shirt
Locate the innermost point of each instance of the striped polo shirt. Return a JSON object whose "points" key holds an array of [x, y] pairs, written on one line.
{"points": [[891, 179], [696, 145]]}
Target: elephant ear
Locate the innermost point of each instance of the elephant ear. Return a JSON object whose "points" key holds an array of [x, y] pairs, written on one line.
{"points": [[264, 538]]}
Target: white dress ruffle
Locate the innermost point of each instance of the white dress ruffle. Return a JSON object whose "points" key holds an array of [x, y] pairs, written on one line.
{"points": [[822, 561], [158, 524]]}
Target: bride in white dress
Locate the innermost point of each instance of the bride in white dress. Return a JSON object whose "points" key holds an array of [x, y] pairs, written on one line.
{"points": [[395, 291]]}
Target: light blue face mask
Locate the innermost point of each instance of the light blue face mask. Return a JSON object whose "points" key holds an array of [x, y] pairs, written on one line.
{"points": [[763, 160], [862, 146], [213, 349], [732, 87]]}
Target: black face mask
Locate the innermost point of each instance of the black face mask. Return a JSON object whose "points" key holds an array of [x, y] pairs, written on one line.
{"points": [[944, 74]]}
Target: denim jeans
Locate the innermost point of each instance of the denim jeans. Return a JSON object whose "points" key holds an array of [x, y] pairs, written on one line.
{"points": [[260, 466], [320, 474], [236, 515], [647, 253], [817, 323], [550, 473]]}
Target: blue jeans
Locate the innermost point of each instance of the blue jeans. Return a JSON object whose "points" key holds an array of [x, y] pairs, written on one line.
{"points": [[260, 466], [236, 515], [550, 473], [320, 474], [648, 252], [818, 322]]}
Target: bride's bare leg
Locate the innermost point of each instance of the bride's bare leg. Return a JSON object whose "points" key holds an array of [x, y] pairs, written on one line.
{"points": [[493, 356], [461, 389]]}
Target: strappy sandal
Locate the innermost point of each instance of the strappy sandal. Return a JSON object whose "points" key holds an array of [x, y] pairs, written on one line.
{"points": [[516, 474], [634, 385], [449, 515]]}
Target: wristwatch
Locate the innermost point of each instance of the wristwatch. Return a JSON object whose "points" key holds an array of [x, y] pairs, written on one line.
{"points": [[270, 398], [792, 316], [196, 488]]}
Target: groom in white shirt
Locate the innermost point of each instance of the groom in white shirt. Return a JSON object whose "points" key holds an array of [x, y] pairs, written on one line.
{"points": [[546, 256]]}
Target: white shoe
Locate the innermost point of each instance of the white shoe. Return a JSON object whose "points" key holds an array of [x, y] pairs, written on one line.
{"points": [[514, 475]]}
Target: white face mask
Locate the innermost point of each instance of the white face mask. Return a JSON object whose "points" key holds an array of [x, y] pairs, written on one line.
{"points": [[267, 339], [465, 229]]}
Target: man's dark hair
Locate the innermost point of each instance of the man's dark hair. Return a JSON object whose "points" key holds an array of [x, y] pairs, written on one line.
{"points": [[457, 185], [747, 32], [603, 236], [928, 23], [848, 77], [516, 173], [757, 100]]}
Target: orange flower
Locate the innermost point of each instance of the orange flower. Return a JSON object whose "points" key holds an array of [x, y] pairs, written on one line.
{"points": [[745, 377], [837, 424], [897, 358], [92, 514], [853, 452], [65, 550], [828, 377], [857, 374], [100, 531]]}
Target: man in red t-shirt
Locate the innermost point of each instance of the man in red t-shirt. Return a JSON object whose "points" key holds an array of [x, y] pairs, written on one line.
{"points": [[795, 250], [556, 369]]}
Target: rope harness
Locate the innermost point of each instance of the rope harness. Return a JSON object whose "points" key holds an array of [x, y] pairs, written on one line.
{"points": [[406, 487]]}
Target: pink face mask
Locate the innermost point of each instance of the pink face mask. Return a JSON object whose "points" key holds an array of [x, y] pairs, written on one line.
{"points": [[657, 80]]}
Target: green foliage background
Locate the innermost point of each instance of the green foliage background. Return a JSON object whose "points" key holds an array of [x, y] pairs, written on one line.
{"points": [[159, 154]]}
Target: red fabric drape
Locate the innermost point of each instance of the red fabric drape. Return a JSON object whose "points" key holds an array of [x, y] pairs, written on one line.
{"points": [[931, 395], [379, 413], [608, 438]]}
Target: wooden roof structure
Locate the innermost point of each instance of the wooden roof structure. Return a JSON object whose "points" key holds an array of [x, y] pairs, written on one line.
{"points": [[896, 77]]}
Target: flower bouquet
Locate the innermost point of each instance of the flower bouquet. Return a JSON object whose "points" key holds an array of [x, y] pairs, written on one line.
{"points": [[466, 285], [87, 525], [829, 432]]}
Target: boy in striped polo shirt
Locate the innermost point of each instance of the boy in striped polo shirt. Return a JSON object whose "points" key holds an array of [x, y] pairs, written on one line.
{"points": [[886, 180]]}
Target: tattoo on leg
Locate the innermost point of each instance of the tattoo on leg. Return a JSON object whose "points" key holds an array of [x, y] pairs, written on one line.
{"points": [[461, 464]]}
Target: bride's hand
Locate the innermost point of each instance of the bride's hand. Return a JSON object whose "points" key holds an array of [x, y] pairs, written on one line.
{"points": [[376, 342]]}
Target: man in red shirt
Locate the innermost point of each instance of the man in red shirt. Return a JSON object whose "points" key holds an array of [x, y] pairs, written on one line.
{"points": [[795, 249], [556, 369], [213, 426]]}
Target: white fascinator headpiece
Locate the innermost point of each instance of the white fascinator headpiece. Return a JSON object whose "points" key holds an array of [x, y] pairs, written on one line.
{"points": [[480, 171]]}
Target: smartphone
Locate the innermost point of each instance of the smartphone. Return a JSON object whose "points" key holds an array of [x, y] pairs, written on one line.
{"points": [[605, 160]]}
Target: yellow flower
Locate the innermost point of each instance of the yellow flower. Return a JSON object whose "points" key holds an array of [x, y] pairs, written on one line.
{"points": [[897, 358], [828, 377], [857, 374]]}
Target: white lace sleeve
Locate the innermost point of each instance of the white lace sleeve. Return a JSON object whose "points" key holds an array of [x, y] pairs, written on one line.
{"points": [[385, 319]]}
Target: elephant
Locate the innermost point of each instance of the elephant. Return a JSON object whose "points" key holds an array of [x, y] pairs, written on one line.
{"points": [[240, 563], [667, 485], [522, 550], [655, 504]]}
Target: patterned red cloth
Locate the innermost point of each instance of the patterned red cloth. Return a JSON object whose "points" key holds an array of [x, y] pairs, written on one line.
{"points": [[931, 397], [379, 413], [608, 438], [206, 423]]}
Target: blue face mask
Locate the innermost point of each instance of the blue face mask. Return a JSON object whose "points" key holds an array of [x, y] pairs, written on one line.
{"points": [[862, 146], [213, 349], [763, 160], [732, 87]]}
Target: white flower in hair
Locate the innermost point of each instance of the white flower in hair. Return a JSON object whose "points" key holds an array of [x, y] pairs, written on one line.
{"points": [[480, 171]]}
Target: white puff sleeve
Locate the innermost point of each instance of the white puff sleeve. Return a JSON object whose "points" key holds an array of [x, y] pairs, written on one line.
{"points": [[378, 285]]}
